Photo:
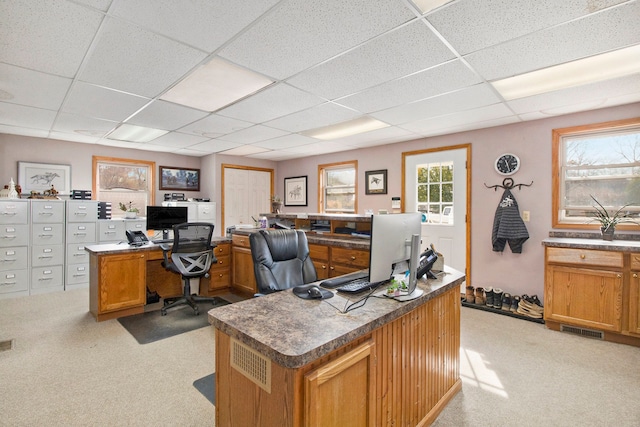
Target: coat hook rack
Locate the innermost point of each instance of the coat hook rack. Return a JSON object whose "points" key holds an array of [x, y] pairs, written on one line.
{"points": [[508, 184]]}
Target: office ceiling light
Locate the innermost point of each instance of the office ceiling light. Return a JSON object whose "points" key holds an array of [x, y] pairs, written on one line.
{"points": [[352, 127], [133, 133], [606, 66], [214, 85], [428, 5]]}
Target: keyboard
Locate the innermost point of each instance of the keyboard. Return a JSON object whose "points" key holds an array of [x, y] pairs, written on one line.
{"points": [[357, 285], [336, 282]]}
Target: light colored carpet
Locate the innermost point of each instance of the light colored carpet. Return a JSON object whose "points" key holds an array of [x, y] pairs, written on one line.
{"points": [[68, 370]]}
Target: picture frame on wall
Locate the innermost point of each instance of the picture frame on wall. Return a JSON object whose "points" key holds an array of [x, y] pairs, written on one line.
{"points": [[376, 182], [295, 191], [39, 177], [178, 178]]}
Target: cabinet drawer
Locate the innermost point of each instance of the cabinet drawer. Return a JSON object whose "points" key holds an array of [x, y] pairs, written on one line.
{"points": [[635, 261], [219, 279], [584, 257], [242, 241], [111, 230], [350, 257], [47, 211], [223, 262], [77, 273], [206, 212], [13, 258], [222, 249], [43, 278], [14, 212], [79, 211], [81, 232], [76, 254], [136, 224], [14, 281], [47, 234], [14, 235], [319, 252], [47, 255]]}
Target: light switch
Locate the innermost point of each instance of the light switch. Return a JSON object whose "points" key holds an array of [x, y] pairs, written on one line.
{"points": [[525, 216]]}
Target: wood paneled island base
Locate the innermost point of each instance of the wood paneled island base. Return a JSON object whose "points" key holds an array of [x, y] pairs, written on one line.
{"points": [[284, 361]]}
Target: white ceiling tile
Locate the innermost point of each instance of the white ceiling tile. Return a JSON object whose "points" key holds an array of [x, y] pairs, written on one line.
{"points": [[166, 115], [26, 131], [51, 36], [463, 99], [245, 150], [442, 79], [70, 123], [205, 24], [102, 5], [319, 116], [137, 61], [189, 152], [287, 141], [471, 25], [273, 102], [75, 137], [301, 33], [409, 49], [33, 88], [215, 125], [377, 137], [464, 118], [29, 117], [275, 156], [253, 134], [102, 103], [177, 140], [214, 146], [578, 39]]}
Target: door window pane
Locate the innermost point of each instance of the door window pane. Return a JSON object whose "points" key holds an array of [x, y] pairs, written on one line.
{"points": [[435, 192]]}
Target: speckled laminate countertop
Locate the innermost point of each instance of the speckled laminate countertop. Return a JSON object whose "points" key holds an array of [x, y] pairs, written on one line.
{"points": [[348, 242], [598, 244], [294, 332], [114, 248]]}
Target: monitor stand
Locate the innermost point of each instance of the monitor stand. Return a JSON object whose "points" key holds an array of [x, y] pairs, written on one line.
{"points": [[165, 234], [413, 295]]}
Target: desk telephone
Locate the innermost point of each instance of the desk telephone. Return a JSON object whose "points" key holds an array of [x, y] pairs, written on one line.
{"points": [[427, 259], [136, 238]]}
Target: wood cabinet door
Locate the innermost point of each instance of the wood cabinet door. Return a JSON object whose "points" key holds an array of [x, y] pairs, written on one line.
{"points": [[584, 297], [634, 303], [244, 278], [342, 391], [123, 279]]}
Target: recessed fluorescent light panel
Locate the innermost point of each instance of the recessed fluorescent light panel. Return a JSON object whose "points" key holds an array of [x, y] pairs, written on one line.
{"points": [[215, 85], [134, 133], [428, 5], [340, 130], [597, 68]]}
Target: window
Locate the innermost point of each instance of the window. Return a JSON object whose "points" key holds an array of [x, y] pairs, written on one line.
{"points": [[123, 181], [434, 192], [338, 187], [602, 161]]}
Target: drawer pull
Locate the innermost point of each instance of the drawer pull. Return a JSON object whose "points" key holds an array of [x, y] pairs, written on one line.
{"points": [[324, 267], [42, 279], [45, 213], [79, 275], [45, 256], [220, 275], [332, 268], [220, 262], [9, 259], [79, 234], [619, 275], [582, 256], [353, 258], [8, 237], [8, 283], [635, 275], [9, 213], [45, 235]]}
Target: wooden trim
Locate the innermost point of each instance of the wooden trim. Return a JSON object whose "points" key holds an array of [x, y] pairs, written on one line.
{"points": [[556, 137], [467, 147], [151, 165], [321, 169], [225, 166]]}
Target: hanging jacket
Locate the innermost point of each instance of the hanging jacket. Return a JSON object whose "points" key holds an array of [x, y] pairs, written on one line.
{"points": [[508, 225]]}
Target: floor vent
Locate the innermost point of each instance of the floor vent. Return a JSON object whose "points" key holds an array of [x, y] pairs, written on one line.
{"points": [[589, 333], [6, 345], [252, 364]]}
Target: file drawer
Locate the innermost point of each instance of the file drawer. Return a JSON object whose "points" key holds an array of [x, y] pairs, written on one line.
{"points": [[46, 278], [76, 254], [47, 255], [14, 235], [14, 281], [14, 212], [79, 211], [77, 274], [584, 257], [47, 234], [47, 211], [13, 258], [82, 232], [111, 230]]}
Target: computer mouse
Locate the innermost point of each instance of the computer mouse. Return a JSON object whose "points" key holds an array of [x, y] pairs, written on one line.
{"points": [[314, 292]]}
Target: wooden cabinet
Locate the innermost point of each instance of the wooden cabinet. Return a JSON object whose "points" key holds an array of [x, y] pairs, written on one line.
{"points": [[320, 256], [344, 260], [243, 277], [593, 289], [220, 273], [118, 284]]}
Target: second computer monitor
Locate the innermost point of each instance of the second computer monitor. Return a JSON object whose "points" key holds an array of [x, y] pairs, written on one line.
{"points": [[165, 217]]}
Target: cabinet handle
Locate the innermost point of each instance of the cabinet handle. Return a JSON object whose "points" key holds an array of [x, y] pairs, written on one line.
{"points": [[45, 213], [324, 267], [331, 268], [8, 283], [45, 256], [45, 235], [8, 259], [353, 258], [220, 275], [635, 275], [220, 262], [618, 275], [582, 256], [8, 237], [8, 213]]}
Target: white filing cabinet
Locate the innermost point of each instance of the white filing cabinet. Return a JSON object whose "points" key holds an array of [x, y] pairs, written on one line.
{"points": [[14, 248], [47, 246], [197, 211], [82, 229], [113, 230]]}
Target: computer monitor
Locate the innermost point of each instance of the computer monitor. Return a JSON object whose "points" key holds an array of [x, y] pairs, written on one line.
{"points": [[165, 217], [395, 238]]}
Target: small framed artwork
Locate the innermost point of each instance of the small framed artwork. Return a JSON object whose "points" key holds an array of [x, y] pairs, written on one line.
{"points": [[175, 178], [40, 177], [376, 182], [295, 191]]}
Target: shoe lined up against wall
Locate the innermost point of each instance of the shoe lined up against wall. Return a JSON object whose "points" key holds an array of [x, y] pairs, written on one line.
{"points": [[498, 301]]}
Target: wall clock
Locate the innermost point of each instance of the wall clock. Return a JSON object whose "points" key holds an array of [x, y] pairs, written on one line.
{"points": [[507, 164]]}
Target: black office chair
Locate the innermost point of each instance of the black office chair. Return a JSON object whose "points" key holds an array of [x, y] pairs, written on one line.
{"points": [[191, 257], [281, 259]]}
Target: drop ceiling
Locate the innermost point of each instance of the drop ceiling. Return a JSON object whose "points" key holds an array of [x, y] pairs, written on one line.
{"points": [[77, 70]]}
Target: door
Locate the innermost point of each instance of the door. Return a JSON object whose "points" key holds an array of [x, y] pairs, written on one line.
{"points": [[246, 193], [436, 184]]}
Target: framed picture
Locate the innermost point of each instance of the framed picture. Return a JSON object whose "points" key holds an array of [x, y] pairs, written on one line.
{"points": [[376, 182], [295, 191], [39, 177], [174, 178]]}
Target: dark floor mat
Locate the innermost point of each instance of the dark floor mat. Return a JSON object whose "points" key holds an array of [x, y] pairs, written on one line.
{"points": [[207, 386], [152, 326]]}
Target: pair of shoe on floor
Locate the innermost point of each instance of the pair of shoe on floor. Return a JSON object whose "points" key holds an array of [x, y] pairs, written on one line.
{"points": [[530, 307]]}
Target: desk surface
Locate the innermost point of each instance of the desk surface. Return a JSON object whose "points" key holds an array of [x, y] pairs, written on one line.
{"points": [[124, 247], [293, 332]]}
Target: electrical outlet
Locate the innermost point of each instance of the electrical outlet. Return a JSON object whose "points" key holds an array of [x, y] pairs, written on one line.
{"points": [[526, 216]]}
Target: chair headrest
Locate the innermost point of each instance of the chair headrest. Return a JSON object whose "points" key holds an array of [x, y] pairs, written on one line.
{"points": [[283, 244]]}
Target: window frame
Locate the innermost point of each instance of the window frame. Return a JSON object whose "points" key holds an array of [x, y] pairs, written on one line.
{"points": [[558, 136], [97, 160], [321, 184]]}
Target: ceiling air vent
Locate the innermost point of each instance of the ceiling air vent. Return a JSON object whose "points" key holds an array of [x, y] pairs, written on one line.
{"points": [[589, 333], [252, 364]]}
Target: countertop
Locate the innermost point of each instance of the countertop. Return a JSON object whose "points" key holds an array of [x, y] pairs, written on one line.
{"points": [[348, 242], [599, 244], [114, 248], [294, 332]]}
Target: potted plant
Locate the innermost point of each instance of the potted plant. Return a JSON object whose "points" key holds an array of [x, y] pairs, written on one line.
{"points": [[276, 204], [608, 221], [129, 210]]}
